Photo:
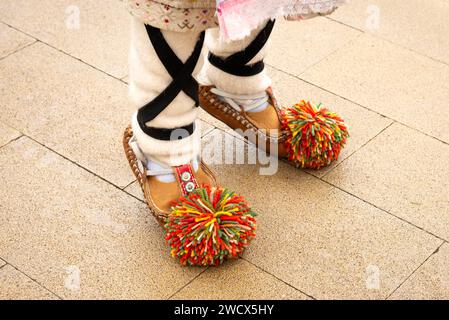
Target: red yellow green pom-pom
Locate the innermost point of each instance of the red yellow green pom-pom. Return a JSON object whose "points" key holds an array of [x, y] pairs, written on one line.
{"points": [[208, 226], [316, 135]]}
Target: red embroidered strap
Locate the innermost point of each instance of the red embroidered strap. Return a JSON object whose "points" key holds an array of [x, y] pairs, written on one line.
{"points": [[186, 178]]}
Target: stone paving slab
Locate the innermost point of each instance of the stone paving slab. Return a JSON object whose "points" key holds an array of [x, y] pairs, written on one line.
{"points": [[404, 172]]}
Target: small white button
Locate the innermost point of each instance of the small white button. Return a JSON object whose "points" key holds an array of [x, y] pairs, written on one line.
{"points": [[190, 187], [186, 176]]}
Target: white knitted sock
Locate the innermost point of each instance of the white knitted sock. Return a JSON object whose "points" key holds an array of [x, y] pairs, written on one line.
{"points": [[147, 79]]}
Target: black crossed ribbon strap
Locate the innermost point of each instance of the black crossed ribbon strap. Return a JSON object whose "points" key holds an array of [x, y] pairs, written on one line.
{"points": [[236, 64], [183, 80]]}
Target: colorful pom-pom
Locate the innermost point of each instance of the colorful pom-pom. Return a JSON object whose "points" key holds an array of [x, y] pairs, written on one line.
{"points": [[316, 135], [208, 226]]}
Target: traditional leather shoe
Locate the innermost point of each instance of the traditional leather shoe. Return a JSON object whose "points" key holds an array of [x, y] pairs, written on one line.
{"points": [[307, 135], [205, 223]]}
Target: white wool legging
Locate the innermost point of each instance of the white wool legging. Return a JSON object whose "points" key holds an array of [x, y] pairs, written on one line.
{"points": [[148, 78]]}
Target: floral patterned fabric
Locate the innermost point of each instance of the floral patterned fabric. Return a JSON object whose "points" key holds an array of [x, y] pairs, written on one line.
{"points": [[175, 15], [198, 15]]}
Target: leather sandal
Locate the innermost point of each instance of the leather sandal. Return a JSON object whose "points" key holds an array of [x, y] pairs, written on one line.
{"points": [[306, 135], [205, 223]]}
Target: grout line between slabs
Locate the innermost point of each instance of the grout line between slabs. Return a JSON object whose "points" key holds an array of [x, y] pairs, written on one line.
{"points": [[279, 279], [416, 270]]}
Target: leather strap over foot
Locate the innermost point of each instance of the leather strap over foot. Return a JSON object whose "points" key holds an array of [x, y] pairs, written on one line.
{"points": [[237, 64], [182, 81]]}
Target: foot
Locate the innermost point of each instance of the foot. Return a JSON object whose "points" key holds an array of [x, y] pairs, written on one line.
{"points": [[205, 223], [308, 136]]}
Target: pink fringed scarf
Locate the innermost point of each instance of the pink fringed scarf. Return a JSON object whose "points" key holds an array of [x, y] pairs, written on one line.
{"points": [[238, 17]]}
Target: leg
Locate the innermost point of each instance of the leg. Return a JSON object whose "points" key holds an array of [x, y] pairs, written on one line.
{"points": [[235, 74], [165, 99], [165, 93]]}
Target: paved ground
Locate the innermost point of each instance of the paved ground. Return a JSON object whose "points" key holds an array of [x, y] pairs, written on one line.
{"points": [[374, 226]]}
